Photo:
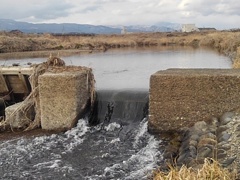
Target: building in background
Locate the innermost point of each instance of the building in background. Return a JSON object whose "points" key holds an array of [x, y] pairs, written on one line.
{"points": [[189, 28], [123, 31]]}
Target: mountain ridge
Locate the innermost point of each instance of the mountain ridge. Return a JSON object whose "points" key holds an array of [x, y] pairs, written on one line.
{"points": [[26, 27]]}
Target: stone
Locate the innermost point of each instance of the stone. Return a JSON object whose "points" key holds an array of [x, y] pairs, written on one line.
{"points": [[194, 137], [200, 126], [193, 143], [221, 156], [221, 151], [222, 128], [226, 118], [20, 115], [179, 98], [224, 136], [212, 129], [228, 162], [238, 127], [215, 121], [207, 141], [193, 151], [224, 145], [64, 95], [208, 135], [181, 158], [205, 152]]}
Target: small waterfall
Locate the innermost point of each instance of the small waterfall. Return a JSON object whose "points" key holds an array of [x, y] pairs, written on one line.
{"points": [[120, 106]]}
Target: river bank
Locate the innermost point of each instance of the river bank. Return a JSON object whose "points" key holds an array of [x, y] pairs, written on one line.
{"points": [[225, 42]]}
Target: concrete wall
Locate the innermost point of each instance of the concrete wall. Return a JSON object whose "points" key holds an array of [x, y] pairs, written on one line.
{"points": [[63, 96], [181, 97]]}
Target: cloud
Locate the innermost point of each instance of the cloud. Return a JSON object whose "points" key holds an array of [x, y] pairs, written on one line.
{"points": [[217, 13], [38, 10], [213, 7], [89, 9]]}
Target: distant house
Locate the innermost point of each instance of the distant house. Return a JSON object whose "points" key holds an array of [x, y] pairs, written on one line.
{"points": [[123, 31], [189, 28]]}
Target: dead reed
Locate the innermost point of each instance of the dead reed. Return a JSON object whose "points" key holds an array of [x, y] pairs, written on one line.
{"points": [[210, 170]]}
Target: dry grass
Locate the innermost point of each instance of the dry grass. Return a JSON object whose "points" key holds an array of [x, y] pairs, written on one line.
{"points": [[210, 170], [236, 63], [224, 42]]}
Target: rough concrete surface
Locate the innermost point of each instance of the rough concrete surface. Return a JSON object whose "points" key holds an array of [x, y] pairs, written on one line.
{"points": [[20, 115], [63, 97], [181, 97]]}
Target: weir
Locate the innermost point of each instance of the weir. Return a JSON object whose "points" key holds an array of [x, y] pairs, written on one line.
{"points": [[118, 147], [120, 105]]}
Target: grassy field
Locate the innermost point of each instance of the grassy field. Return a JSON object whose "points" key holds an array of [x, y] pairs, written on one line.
{"points": [[227, 43]]}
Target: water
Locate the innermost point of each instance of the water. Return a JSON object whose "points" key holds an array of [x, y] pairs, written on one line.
{"points": [[119, 146], [132, 68], [108, 152]]}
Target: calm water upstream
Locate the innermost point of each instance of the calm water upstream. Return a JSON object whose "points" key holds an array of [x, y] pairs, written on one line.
{"points": [[119, 147], [131, 68]]}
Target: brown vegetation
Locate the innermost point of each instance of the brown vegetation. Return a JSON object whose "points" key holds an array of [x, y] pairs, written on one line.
{"points": [[224, 42], [210, 170]]}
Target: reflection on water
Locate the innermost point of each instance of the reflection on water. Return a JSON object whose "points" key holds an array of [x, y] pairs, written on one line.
{"points": [[131, 68]]}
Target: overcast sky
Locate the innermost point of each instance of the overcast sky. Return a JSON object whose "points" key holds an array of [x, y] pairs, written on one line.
{"points": [[221, 14]]}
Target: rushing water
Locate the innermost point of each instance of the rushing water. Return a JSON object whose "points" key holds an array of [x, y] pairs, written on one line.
{"points": [[119, 147]]}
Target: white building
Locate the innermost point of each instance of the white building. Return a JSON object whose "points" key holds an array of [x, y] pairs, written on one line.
{"points": [[124, 31], [189, 28]]}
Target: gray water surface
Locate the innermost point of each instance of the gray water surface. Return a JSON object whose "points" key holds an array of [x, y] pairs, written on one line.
{"points": [[132, 68]]}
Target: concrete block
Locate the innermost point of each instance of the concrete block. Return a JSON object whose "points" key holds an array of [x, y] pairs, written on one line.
{"points": [[181, 97], [20, 115], [63, 96]]}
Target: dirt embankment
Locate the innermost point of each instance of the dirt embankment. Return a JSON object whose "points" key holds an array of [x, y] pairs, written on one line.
{"points": [[227, 43]]}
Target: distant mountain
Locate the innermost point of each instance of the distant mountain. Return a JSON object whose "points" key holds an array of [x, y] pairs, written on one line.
{"points": [[9, 25], [159, 27], [174, 26]]}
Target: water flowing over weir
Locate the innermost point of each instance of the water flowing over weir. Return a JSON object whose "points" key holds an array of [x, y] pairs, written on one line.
{"points": [[119, 147], [116, 143], [120, 105]]}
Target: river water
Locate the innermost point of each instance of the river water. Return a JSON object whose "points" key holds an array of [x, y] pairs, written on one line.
{"points": [[119, 147]]}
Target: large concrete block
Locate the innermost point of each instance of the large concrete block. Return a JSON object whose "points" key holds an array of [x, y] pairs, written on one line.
{"points": [[63, 96], [181, 97]]}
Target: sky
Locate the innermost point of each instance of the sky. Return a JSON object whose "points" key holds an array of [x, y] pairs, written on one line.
{"points": [[221, 14]]}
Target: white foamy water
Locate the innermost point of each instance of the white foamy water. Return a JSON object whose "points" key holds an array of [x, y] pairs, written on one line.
{"points": [[117, 154], [141, 163], [16, 154]]}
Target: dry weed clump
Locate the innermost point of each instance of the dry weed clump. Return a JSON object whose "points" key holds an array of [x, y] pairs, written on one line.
{"points": [[236, 63], [210, 170]]}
